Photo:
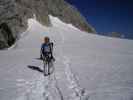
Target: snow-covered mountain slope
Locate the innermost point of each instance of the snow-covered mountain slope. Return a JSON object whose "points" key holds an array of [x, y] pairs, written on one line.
{"points": [[87, 67]]}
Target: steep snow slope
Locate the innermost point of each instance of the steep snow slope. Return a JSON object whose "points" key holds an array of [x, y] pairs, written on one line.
{"points": [[87, 67]]}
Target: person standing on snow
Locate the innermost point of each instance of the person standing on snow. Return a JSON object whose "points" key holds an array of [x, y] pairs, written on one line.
{"points": [[46, 54]]}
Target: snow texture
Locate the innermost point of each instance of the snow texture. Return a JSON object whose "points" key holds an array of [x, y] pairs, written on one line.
{"points": [[87, 67]]}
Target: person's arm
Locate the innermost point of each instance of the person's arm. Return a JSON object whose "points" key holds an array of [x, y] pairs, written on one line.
{"points": [[52, 44]]}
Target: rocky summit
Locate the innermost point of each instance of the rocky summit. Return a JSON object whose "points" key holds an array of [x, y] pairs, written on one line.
{"points": [[15, 13]]}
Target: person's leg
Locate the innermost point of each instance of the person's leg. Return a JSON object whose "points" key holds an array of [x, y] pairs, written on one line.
{"points": [[50, 65], [45, 69]]}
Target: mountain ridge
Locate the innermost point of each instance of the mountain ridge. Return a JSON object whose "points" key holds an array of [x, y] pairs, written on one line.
{"points": [[15, 13]]}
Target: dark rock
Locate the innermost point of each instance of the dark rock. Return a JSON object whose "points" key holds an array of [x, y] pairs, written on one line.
{"points": [[115, 34], [6, 34]]}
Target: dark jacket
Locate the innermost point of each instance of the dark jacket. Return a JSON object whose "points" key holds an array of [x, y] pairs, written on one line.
{"points": [[46, 51]]}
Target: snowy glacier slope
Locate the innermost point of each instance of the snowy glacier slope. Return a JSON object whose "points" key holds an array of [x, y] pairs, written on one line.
{"points": [[87, 67]]}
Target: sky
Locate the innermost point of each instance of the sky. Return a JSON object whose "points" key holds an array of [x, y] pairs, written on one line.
{"points": [[108, 15]]}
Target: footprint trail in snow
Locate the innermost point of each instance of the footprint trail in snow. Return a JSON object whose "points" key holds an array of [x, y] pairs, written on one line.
{"points": [[77, 93]]}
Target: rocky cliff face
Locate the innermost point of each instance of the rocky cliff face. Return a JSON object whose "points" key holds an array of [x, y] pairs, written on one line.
{"points": [[14, 15], [12, 22]]}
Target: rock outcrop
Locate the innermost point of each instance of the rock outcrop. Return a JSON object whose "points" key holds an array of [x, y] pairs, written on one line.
{"points": [[116, 34], [15, 13], [12, 22]]}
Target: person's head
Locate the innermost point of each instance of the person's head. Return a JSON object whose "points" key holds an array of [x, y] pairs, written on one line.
{"points": [[46, 39]]}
